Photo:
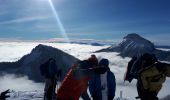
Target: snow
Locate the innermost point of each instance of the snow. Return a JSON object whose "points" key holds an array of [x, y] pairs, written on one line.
{"points": [[29, 90], [26, 95], [132, 45], [164, 49]]}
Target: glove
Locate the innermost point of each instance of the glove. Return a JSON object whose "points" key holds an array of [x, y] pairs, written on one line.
{"points": [[3, 95], [100, 70], [110, 97], [94, 97]]}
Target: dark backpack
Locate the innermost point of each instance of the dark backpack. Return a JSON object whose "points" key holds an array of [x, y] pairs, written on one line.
{"points": [[44, 69], [138, 65]]}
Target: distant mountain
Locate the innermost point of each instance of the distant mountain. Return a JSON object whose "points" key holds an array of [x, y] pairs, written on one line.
{"points": [[29, 64], [88, 43], [96, 44], [162, 46], [92, 42], [135, 45], [132, 44]]}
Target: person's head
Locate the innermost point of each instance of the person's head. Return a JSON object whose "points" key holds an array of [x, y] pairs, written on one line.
{"points": [[104, 63], [148, 59], [93, 60], [51, 60]]}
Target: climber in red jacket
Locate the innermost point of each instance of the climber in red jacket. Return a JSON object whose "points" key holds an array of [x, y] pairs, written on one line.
{"points": [[76, 81]]}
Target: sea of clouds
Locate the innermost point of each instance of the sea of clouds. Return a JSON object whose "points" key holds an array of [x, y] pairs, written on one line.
{"points": [[13, 51]]}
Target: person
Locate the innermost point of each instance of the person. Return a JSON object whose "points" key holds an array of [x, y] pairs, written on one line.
{"points": [[76, 81], [103, 87], [49, 70], [151, 76], [4, 95]]}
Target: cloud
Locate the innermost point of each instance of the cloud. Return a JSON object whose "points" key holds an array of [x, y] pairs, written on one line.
{"points": [[14, 51], [10, 39], [24, 19], [13, 82], [3, 13]]}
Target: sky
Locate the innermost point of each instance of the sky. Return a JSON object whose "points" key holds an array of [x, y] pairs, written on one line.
{"points": [[84, 19]]}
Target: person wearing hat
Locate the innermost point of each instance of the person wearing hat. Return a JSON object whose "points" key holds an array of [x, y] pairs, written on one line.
{"points": [[103, 86], [75, 83]]}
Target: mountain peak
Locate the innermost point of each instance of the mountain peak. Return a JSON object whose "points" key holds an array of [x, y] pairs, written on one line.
{"points": [[42, 47], [29, 64], [133, 36], [132, 45]]}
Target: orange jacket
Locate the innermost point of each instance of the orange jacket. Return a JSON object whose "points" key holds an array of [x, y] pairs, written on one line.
{"points": [[72, 89]]}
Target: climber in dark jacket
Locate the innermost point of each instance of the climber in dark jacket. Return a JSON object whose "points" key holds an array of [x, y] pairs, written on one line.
{"points": [[49, 70], [102, 87]]}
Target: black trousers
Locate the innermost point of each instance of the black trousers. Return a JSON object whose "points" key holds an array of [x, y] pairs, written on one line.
{"points": [[50, 93]]}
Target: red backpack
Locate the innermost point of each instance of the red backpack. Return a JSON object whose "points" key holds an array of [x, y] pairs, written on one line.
{"points": [[71, 88]]}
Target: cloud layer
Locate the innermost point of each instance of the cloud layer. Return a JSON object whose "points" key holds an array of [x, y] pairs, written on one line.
{"points": [[14, 51]]}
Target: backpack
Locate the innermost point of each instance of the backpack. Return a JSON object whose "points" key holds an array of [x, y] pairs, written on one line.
{"points": [[44, 70], [52, 68], [153, 76], [138, 64], [75, 83]]}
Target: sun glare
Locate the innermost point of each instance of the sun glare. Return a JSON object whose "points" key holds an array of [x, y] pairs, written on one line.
{"points": [[61, 27]]}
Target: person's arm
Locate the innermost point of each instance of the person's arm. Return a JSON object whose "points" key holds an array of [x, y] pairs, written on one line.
{"points": [[4, 95], [112, 85], [85, 96], [92, 87], [80, 72]]}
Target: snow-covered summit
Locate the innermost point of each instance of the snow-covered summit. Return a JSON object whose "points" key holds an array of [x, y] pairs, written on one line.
{"points": [[132, 45], [135, 45], [134, 36]]}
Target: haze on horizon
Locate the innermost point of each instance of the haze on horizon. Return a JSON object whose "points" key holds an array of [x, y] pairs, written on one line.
{"points": [[87, 19]]}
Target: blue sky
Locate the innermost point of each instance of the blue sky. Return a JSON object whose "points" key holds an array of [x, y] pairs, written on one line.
{"points": [[89, 19]]}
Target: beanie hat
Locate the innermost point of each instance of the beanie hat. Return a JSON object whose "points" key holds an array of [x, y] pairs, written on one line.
{"points": [[104, 62], [93, 60]]}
